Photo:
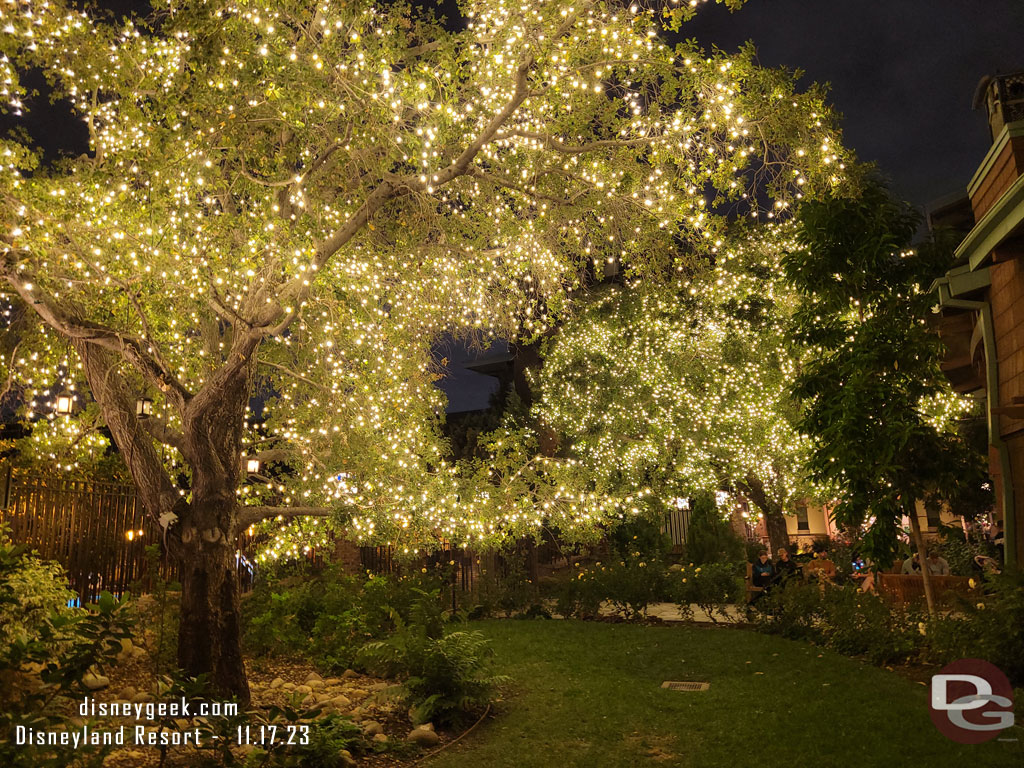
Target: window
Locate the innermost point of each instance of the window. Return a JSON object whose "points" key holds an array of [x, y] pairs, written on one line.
{"points": [[802, 523]]}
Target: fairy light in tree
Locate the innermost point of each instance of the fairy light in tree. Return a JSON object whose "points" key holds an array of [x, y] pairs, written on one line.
{"points": [[355, 184]]}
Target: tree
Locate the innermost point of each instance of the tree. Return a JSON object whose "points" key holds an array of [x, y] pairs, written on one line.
{"points": [[283, 205], [683, 386], [881, 414]]}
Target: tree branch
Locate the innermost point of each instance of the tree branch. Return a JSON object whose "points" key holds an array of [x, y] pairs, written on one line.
{"points": [[127, 346], [251, 515]]}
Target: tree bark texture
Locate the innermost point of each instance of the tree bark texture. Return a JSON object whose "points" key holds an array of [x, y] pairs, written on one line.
{"points": [[922, 555], [209, 636], [774, 519]]}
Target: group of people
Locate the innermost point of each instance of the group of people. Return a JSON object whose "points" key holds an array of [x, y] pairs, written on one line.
{"points": [[937, 565], [765, 573]]}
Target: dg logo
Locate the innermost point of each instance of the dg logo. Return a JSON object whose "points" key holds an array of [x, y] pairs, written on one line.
{"points": [[971, 701]]}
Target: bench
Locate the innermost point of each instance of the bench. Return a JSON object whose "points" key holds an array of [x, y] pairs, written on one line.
{"points": [[903, 588]]}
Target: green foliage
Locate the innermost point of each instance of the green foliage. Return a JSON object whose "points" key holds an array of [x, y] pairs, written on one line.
{"points": [[505, 587], [878, 408], [158, 613], [640, 538], [329, 616], [445, 675], [989, 626], [682, 385], [842, 618], [46, 657], [32, 591], [711, 587], [959, 551], [630, 585], [709, 537], [580, 593]]}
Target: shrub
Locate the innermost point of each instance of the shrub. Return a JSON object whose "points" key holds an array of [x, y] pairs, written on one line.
{"points": [[709, 537], [445, 675], [990, 626], [32, 591], [580, 593], [959, 551], [794, 611], [711, 587], [328, 618], [856, 623], [632, 584], [506, 587], [62, 648]]}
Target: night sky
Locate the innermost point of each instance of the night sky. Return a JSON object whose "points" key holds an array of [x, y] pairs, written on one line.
{"points": [[903, 74]]}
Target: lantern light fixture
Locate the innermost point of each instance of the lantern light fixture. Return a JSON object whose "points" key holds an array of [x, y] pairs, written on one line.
{"points": [[143, 408], [64, 403], [252, 465]]}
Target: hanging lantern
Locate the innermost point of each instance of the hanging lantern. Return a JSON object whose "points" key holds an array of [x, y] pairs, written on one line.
{"points": [[143, 408], [64, 403], [252, 465]]}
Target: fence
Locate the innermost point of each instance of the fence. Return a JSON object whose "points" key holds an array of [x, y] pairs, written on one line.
{"points": [[97, 530]]}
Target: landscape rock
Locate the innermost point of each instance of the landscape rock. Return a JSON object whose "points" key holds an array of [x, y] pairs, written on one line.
{"points": [[379, 737], [95, 682], [346, 758], [423, 737], [341, 701], [348, 674], [303, 689], [372, 728], [277, 682]]}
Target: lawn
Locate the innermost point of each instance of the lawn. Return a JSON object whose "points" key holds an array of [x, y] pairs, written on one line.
{"points": [[587, 694]]}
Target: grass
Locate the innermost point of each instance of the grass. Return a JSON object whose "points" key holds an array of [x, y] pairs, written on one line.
{"points": [[587, 694]]}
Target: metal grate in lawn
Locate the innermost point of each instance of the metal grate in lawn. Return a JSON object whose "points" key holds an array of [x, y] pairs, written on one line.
{"points": [[688, 685]]}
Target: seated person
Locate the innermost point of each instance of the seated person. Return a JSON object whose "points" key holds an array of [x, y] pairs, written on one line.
{"points": [[937, 566], [785, 568], [762, 572], [911, 565]]}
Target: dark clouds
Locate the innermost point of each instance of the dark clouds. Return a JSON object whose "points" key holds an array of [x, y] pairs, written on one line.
{"points": [[903, 73]]}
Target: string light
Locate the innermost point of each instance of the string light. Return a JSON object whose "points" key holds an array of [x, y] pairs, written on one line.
{"points": [[471, 180]]}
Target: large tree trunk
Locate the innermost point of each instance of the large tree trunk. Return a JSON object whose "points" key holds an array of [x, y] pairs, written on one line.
{"points": [[209, 638], [922, 555], [778, 531], [774, 519]]}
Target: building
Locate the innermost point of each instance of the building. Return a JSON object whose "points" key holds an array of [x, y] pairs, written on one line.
{"points": [[981, 300]]}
